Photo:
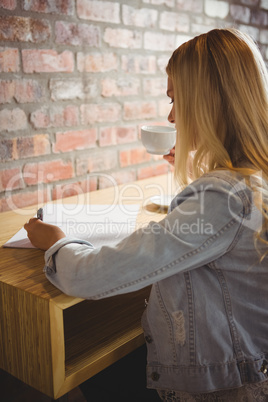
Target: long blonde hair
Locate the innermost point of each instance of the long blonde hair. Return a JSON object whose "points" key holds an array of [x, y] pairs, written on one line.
{"points": [[220, 87]]}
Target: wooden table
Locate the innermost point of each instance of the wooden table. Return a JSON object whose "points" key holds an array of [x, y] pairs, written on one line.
{"points": [[54, 342]]}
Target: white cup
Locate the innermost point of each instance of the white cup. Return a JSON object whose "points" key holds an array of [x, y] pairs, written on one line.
{"points": [[158, 140]]}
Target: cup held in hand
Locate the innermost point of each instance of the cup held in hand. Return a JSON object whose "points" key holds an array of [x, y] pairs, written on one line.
{"points": [[158, 140]]}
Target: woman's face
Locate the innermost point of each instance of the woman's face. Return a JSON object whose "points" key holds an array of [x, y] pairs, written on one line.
{"points": [[170, 94]]}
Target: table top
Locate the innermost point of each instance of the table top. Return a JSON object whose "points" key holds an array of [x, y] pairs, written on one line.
{"points": [[23, 268]]}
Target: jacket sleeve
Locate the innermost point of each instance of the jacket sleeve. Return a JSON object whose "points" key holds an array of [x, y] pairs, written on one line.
{"points": [[202, 226]]}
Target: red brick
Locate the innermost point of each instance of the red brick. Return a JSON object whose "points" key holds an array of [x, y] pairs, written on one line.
{"points": [[154, 86], [71, 140], [105, 11], [13, 120], [47, 61], [29, 91], [16, 148], [24, 29], [157, 41], [126, 134], [33, 146], [117, 135], [145, 172], [121, 177], [151, 171], [8, 4], [41, 144], [74, 189], [134, 156], [23, 91], [139, 110], [9, 60], [46, 172], [68, 33], [97, 113], [123, 38], [7, 91], [140, 17], [7, 147], [10, 179], [120, 87], [174, 21], [97, 162], [65, 7], [24, 199], [96, 62], [162, 169], [57, 116], [137, 64], [77, 88]]}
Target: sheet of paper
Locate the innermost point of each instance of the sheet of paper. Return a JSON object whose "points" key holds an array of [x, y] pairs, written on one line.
{"points": [[98, 224]]}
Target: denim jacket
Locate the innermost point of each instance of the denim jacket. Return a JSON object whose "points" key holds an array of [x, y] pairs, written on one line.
{"points": [[206, 324]]}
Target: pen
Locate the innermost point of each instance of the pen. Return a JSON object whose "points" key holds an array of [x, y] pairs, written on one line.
{"points": [[40, 213]]}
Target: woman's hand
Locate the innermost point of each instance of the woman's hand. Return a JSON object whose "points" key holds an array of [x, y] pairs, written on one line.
{"points": [[170, 158], [43, 235]]}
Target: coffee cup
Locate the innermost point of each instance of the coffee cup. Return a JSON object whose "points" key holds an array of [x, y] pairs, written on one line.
{"points": [[158, 140]]}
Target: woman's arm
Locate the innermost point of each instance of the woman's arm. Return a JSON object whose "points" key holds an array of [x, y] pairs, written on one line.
{"points": [[43, 235]]}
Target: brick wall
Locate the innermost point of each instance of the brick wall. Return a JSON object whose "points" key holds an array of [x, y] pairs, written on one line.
{"points": [[79, 78]]}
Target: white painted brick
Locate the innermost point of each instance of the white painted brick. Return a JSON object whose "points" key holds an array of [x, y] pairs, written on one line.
{"points": [[198, 29], [215, 8], [175, 21], [124, 38], [250, 2], [264, 4], [195, 6], [73, 89], [158, 41], [264, 36], [93, 10], [240, 13], [251, 31], [169, 3], [143, 17]]}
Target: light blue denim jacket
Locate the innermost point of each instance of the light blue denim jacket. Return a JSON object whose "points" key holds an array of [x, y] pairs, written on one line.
{"points": [[206, 324]]}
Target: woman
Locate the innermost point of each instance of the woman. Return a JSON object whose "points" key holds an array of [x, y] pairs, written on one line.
{"points": [[206, 322]]}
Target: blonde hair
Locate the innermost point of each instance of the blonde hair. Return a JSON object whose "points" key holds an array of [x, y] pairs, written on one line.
{"points": [[220, 85]]}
